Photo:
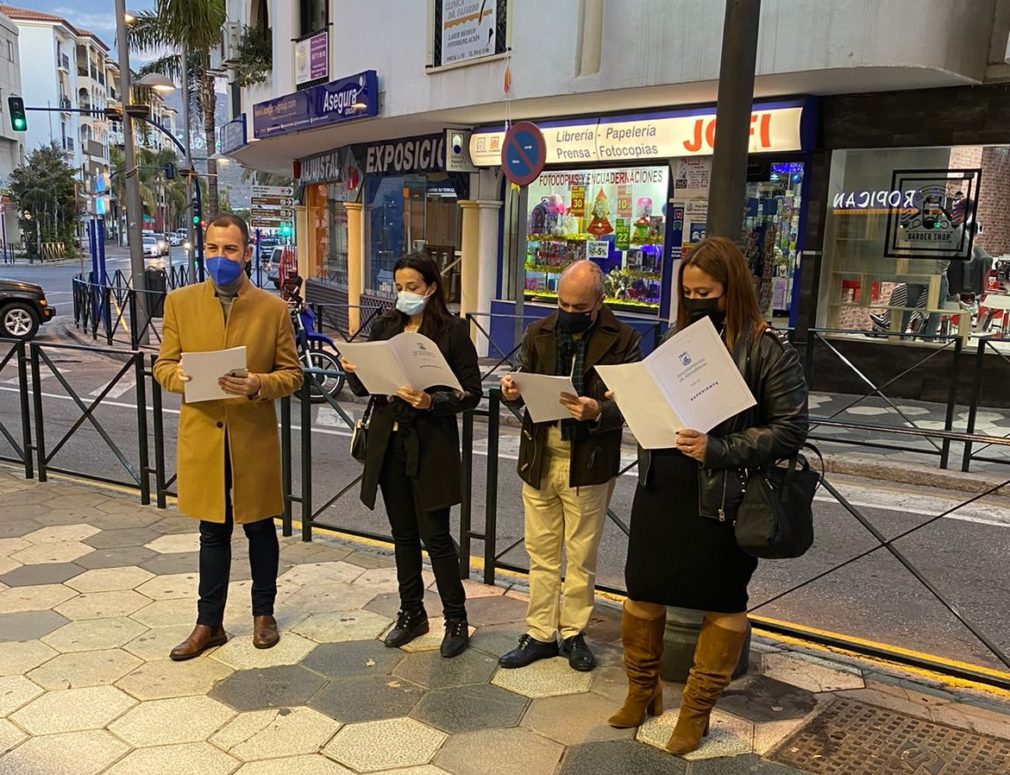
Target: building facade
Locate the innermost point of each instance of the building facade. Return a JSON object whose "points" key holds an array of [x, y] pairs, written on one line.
{"points": [[397, 141], [12, 149]]}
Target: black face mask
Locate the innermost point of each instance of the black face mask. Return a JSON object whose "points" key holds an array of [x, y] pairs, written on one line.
{"points": [[575, 322], [697, 309]]}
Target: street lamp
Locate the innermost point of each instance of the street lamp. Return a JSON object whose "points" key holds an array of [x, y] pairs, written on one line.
{"points": [[160, 83]]}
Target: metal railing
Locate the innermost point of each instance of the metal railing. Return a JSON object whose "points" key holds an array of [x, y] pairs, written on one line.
{"points": [[312, 510]]}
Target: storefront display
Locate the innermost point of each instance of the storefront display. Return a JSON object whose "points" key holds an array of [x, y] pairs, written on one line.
{"points": [[615, 217]]}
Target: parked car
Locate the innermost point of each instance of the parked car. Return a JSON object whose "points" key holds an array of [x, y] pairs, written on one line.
{"points": [[153, 257], [175, 239], [273, 265], [23, 308]]}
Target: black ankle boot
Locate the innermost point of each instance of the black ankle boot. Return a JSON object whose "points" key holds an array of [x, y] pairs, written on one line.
{"points": [[409, 625], [456, 639]]}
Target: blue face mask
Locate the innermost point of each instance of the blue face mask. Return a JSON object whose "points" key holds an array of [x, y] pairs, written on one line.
{"points": [[410, 303], [223, 271]]}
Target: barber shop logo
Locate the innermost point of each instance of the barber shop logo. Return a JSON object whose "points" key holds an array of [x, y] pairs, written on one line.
{"points": [[932, 215], [685, 359]]}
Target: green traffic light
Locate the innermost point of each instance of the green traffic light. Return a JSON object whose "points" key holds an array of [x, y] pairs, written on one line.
{"points": [[19, 124], [196, 220]]}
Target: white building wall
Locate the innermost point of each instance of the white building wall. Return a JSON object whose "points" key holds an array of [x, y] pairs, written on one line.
{"points": [[40, 83], [11, 142]]}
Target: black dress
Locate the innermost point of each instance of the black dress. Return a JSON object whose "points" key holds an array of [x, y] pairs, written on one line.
{"points": [[676, 556]]}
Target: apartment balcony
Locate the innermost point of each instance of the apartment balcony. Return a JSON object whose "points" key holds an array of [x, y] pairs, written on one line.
{"points": [[95, 149], [65, 105], [82, 70]]}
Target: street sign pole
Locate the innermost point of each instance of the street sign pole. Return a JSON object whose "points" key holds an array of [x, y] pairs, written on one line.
{"points": [[259, 264]]}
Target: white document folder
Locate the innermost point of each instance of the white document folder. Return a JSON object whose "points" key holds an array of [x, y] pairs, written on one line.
{"points": [[206, 368], [408, 359]]}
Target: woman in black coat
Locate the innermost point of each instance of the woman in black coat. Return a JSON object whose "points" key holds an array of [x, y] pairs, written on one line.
{"points": [[685, 555], [413, 454]]}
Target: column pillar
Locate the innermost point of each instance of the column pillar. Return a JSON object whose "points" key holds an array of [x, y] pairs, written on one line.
{"points": [[478, 266], [469, 267], [303, 241], [355, 264], [487, 279]]}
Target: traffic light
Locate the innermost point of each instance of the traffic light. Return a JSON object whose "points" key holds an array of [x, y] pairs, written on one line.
{"points": [[19, 121], [285, 229], [170, 171]]}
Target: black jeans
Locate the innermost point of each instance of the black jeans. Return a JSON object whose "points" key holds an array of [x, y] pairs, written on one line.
{"points": [[410, 525], [215, 563]]}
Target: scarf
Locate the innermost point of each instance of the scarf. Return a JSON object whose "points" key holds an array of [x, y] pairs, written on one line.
{"points": [[570, 348]]}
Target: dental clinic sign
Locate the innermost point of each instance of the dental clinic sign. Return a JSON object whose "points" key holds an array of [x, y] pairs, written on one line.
{"points": [[346, 99], [774, 128]]}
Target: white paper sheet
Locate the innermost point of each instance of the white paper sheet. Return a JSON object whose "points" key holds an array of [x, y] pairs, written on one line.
{"points": [[542, 395], [206, 368], [406, 359], [690, 381]]}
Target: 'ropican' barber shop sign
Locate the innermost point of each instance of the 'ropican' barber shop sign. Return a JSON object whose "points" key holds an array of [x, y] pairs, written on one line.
{"points": [[412, 154]]}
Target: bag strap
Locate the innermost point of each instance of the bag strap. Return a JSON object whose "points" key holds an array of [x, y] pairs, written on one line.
{"points": [[367, 415]]}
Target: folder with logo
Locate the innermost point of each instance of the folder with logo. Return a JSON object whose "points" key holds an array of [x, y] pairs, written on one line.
{"points": [[408, 359]]}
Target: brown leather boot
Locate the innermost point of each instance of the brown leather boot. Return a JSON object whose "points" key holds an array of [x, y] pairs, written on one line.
{"points": [[265, 634], [642, 639], [202, 638], [715, 658]]}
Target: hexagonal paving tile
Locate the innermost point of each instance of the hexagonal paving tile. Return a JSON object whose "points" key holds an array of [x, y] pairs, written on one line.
{"points": [[625, 757], [73, 710], [50, 573], [467, 708], [353, 659], [497, 610], [240, 653], [431, 640], [167, 722], [29, 625], [173, 586], [115, 558], [109, 580], [116, 539], [546, 678], [201, 758], [342, 626], [15, 692], [10, 545], [93, 635], [61, 534], [502, 751], [175, 543], [19, 657], [383, 580], [432, 671], [7, 564], [382, 745], [810, 673], [164, 679], [34, 598], [330, 598], [10, 736], [273, 734], [74, 753], [574, 719], [319, 573], [174, 524], [183, 562], [166, 613], [273, 687], [102, 605], [353, 700], [83, 669], [58, 551], [157, 642], [729, 736], [299, 765], [759, 698]]}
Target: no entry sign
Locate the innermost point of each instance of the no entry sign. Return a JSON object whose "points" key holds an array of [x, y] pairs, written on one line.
{"points": [[523, 153]]}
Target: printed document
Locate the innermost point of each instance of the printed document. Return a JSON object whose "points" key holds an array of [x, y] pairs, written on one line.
{"points": [[205, 369], [542, 395], [688, 382], [408, 359]]}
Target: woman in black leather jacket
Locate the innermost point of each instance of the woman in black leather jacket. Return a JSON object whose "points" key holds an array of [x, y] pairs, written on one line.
{"points": [[413, 454], [686, 556]]}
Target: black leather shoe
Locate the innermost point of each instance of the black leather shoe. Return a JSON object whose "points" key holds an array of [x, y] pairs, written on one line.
{"points": [[456, 639], [409, 625], [529, 651], [578, 653]]}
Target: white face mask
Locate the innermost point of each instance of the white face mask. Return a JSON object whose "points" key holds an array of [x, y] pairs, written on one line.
{"points": [[410, 303]]}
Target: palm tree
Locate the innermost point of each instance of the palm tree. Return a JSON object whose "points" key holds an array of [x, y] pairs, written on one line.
{"points": [[194, 26]]}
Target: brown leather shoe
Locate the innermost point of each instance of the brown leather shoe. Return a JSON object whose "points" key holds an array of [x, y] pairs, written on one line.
{"points": [[202, 638], [265, 635]]}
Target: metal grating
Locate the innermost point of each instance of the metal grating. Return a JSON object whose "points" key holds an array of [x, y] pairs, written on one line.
{"points": [[852, 738]]}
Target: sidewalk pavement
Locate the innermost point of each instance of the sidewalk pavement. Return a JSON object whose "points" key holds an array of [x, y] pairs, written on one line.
{"points": [[95, 589]]}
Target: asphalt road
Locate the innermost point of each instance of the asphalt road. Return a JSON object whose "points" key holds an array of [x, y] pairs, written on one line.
{"points": [[875, 598]]}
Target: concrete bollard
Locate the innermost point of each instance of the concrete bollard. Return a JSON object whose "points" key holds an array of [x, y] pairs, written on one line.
{"points": [[682, 628]]}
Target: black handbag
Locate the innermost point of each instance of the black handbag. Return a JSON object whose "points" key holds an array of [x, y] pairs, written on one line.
{"points": [[359, 436], [775, 520]]}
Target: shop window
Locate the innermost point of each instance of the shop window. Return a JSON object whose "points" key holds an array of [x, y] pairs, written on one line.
{"points": [[616, 217], [917, 243], [465, 30]]}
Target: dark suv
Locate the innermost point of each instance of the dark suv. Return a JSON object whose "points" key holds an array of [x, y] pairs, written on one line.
{"points": [[23, 308]]}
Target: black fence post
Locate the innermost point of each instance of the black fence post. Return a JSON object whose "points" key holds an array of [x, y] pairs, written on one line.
{"points": [[26, 425], [40, 422], [142, 441], [160, 479], [808, 359], [948, 423], [306, 422], [131, 303], [287, 527], [466, 507], [976, 388], [491, 492]]}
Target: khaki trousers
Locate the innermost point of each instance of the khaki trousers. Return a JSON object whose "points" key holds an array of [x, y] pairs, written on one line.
{"points": [[559, 516]]}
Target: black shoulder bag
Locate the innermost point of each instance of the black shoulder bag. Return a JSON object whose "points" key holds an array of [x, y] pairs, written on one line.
{"points": [[359, 436]]}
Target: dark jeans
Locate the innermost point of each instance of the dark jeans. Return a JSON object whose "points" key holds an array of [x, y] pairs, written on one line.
{"points": [[215, 563], [411, 525]]}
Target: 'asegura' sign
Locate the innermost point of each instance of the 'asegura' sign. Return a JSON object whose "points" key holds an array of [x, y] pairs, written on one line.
{"points": [[346, 99]]}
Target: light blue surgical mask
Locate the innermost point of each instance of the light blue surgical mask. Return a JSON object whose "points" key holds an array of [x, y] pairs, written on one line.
{"points": [[223, 271], [411, 303]]}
